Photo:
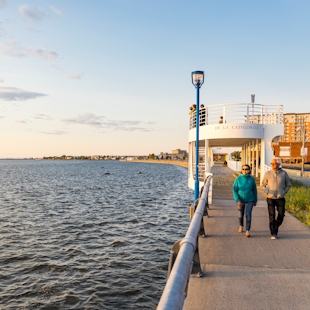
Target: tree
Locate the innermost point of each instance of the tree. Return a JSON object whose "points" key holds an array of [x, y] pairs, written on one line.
{"points": [[236, 155]]}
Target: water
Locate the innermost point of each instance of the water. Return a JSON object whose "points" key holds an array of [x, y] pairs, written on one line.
{"points": [[73, 236]]}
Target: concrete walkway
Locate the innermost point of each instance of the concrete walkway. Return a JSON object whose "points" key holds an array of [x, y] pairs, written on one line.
{"points": [[223, 179], [250, 273]]}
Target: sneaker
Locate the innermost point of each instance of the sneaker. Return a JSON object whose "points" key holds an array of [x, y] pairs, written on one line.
{"points": [[274, 237], [247, 233], [240, 229]]}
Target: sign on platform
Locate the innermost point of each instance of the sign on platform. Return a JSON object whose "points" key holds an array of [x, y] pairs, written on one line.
{"points": [[303, 151], [285, 151]]}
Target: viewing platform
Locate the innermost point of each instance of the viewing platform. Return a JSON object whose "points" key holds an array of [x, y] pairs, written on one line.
{"points": [[249, 273], [254, 128]]}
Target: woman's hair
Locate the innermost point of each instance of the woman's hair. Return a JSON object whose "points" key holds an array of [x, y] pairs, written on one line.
{"points": [[246, 165]]}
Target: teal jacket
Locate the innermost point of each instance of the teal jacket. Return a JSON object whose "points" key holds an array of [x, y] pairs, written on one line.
{"points": [[244, 188]]}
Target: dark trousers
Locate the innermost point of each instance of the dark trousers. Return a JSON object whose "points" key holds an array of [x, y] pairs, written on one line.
{"points": [[274, 222]]}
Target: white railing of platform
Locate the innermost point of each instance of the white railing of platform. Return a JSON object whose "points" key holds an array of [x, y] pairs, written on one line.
{"points": [[238, 113], [234, 165]]}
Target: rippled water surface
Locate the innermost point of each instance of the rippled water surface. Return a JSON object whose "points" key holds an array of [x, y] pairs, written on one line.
{"points": [[88, 234]]}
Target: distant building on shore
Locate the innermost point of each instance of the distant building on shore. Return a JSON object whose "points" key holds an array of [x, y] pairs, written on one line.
{"points": [[178, 151], [295, 126], [176, 154], [296, 131]]}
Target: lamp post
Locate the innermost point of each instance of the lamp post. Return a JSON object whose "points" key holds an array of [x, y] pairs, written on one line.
{"points": [[197, 80], [252, 100]]}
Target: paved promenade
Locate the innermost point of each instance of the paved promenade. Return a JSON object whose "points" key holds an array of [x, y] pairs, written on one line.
{"points": [[249, 273]]}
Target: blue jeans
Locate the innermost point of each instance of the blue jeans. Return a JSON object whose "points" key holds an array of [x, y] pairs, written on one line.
{"points": [[274, 222], [247, 207]]}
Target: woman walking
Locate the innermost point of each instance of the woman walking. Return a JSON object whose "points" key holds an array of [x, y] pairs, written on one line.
{"points": [[245, 194]]}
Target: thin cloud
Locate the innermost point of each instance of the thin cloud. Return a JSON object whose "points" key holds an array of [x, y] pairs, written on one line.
{"points": [[33, 30], [143, 129], [31, 13], [75, 76], [13, 49], [89, 119], [130, 123], [17, 94], [21, 122], [43, 117], [57, 11], [55, 132], [41, 53], [100, 122]]}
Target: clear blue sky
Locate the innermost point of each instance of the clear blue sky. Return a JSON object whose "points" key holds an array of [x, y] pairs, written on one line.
{"points": [[114, 77]]}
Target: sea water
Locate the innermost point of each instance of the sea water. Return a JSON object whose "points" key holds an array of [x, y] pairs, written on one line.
{"points": [[88, 234]]}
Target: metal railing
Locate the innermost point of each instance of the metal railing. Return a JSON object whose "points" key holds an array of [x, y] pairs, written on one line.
{"points": [[184, 258], [238, 113]]}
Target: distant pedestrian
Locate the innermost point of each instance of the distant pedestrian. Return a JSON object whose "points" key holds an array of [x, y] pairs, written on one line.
{"points": [[202, 113], [221, 120], [192, 109], [192, 113], [245, 194], [276, 184]]}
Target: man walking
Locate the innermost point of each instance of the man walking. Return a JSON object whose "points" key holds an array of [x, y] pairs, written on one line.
{"points": [[276, 184]]}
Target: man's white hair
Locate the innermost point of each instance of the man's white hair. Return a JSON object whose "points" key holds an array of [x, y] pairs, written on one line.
{"points": [[278, 160]]}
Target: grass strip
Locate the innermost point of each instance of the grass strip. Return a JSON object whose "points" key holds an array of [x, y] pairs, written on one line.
{"points": [[298, 201]]}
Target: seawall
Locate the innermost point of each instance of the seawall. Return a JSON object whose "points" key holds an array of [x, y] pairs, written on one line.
{"points": [[296, 173]]}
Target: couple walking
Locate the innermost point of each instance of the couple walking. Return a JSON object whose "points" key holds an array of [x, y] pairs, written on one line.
{"points": [[276, 184]]}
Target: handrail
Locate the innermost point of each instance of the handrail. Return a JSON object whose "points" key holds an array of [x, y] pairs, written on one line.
{"points": [[175, 290], [238, 113]]}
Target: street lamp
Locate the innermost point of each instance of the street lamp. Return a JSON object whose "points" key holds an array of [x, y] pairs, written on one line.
{"points": [[197, 80], [252, 100]]}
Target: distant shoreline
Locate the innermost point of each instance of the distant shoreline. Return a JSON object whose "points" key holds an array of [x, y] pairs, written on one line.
{"points": [[146, 161], [159, 161]]}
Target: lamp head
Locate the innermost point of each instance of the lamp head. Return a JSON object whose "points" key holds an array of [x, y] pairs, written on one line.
{"points": [[197, 78], [252, 98]]}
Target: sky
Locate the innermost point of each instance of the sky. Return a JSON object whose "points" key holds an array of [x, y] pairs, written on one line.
{"points": [[113, 77]]}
